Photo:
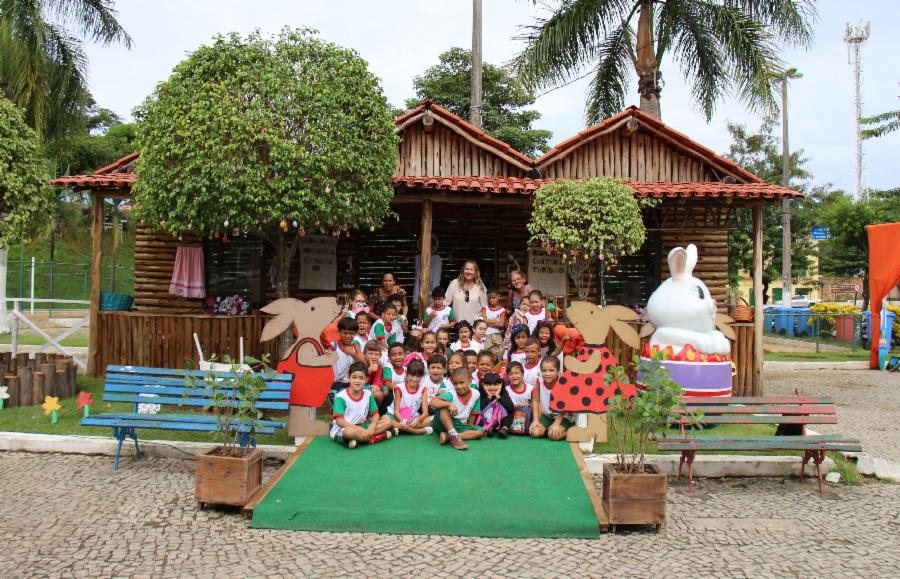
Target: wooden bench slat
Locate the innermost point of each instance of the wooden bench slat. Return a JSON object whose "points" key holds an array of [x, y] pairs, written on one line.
{"points": [[163, 425], [138, 379], [141, 370], [690, 400], [199, 418], [179, 401], [780, 409], [186, 392], [767, 419]]}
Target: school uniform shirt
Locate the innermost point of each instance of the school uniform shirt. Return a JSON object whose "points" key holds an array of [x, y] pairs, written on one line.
{"points": [[545, 399], [360, 341], [342, 364], [434, 389], [391, 333], [407, 399], [354, 410], [532, 373], [388, 373], [435, 317], [517, 357], [522, 397], [464, 408], [474, 345], [493, 315], [532, 319]]}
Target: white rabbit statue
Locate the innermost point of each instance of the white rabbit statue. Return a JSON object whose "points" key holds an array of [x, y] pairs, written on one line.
{"points": [[682, 311]]}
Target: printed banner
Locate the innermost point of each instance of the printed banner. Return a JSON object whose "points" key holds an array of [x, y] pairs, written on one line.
{"points": [[318, 262]]}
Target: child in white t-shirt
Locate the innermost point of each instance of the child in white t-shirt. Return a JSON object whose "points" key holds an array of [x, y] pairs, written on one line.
{"points": [[494, 315], [532, 363], [438, 316], [436, 379], [355, 417], [385, 330], [456, 410], [537, 312], [411, 401], [547, 422], [465, 341]]}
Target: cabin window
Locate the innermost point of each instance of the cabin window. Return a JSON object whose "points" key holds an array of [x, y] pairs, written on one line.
{"points": [[635, 277], [235, 268]]}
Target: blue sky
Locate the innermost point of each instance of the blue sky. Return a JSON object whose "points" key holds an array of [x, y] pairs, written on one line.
{"points": [[400, 39]]}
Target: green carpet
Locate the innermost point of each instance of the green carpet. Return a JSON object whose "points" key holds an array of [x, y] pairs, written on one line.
{"points": [[411, 485]]}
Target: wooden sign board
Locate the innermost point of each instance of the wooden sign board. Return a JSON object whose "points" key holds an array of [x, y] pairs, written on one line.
{"points": [[546, 272], [318, 262], [845, 288]]}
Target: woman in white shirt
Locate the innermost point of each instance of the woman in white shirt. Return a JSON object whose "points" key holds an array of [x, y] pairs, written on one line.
{"points": [[466, 295]]}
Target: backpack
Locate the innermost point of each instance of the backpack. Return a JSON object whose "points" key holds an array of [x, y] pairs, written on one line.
{"points": [[491, 416], [521, 420]]}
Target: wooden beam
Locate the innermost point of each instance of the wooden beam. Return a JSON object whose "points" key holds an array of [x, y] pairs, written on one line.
{"points": [[425, 258], [96, 274], [757, 301], [588, 480]]}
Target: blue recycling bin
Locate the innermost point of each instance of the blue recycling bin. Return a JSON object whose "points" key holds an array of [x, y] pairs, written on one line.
{"points": [[890, 318], [804, 327], [769, 321], [784, 320]]}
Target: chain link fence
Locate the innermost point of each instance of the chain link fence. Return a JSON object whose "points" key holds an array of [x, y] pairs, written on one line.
{"points": [[63, 280]]}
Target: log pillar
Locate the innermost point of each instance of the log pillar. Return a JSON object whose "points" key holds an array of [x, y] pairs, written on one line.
{"points": [[757, 301], [96, 275], [425, 258]]}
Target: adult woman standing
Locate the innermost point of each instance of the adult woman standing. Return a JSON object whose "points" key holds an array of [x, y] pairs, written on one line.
{"points": [[466, 295], [518, 289], [388, 288]]}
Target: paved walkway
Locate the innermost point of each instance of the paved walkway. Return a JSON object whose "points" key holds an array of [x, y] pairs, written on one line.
{"points": [[73, 516], [868, 403]]}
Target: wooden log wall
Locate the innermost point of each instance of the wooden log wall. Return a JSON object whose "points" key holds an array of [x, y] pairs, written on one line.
{"points": [[443, 152], [31, 377], [712, 261], [154, 260], [640, 157], [166, 340], [741, 356]]}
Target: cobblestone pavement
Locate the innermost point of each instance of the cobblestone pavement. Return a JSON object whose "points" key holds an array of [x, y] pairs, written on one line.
{"points": [[74, 516], [868, 403]]}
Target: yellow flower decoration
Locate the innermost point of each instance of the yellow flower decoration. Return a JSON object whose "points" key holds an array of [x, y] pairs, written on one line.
{"points": [[51, 404]]}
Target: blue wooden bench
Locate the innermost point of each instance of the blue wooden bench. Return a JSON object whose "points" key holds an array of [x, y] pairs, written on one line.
{"points": [[166, 387]]}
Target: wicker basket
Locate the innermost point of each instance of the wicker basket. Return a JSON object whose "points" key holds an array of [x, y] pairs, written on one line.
{"points": [[742, 312], [113, 302]]}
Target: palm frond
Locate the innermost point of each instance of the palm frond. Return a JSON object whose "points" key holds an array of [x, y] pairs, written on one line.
{"points": [[606, 94], [94, 19], [559, 47], [790, 21]]}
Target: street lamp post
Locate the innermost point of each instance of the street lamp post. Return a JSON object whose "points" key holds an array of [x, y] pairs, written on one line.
{"points": [[789, 73]]}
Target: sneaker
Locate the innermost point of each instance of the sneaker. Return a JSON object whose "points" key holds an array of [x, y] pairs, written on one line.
{"points": [[388, 433], [503, 432], [429, 430], [444, 438], [489, 433], [396, 431], [351, 444], [457, 443]]}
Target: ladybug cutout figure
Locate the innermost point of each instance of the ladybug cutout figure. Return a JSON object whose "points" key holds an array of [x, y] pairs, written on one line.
{"points": [[581, 386], [307, 360]]}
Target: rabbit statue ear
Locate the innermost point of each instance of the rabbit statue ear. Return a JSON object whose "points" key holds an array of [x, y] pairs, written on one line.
{"points": [[677, 262], [691, 251]]}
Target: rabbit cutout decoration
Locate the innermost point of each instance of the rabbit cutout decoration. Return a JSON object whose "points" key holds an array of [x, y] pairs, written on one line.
{"points": [[682, 310]]}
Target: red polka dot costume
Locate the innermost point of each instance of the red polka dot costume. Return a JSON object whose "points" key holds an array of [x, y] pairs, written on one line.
{"points": [[588, 392]]}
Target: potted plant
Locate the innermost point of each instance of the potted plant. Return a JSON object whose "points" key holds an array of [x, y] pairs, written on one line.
{"points": [[634, 492], [229, 474]]}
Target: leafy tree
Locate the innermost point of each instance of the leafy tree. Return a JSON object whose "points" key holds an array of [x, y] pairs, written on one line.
{"points": [[43, 66], [448, 84], [881, 124], [266, 135], [721, 46], [613, 227], [102, 139], [26, 199], [760, 153]]}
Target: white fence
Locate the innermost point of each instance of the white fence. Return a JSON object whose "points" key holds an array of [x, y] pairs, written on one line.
{"points": [[12, 318]]}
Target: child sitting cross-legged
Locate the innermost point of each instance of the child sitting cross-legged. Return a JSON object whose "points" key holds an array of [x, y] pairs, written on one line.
{"points": [[548, 423], [522, 397], [455, 411], [435, 381], [410, 402], [496, 407], [355, 414]]}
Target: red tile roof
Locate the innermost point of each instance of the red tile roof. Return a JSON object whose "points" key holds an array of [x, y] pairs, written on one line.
{"points": [[107, 181], [468, 128], [659, 189], [683, 141], [113, 168]]}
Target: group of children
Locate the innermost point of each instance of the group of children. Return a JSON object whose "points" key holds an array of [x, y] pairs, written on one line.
{"points": [[494, 379]]}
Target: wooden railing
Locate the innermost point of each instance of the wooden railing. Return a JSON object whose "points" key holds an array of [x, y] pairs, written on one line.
{"points": [[741, 355], [166, 340]]}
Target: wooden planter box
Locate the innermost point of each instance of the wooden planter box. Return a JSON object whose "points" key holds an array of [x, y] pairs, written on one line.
{"points": [[227, 480], [634, 499]]}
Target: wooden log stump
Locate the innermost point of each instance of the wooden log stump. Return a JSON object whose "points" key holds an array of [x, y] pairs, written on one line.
{"points": [[37, 387], [21, 360], [49, 371], [12, 384], [25, 385], [62, 376], [73, 377]]}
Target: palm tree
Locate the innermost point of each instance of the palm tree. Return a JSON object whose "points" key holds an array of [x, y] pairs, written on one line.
{"points": [[42, 61], [721, 46]]}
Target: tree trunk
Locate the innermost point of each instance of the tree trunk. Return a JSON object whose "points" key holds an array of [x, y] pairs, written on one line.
{"points": [[645, 64], [283, 257], [765, 288], [4, 327]]}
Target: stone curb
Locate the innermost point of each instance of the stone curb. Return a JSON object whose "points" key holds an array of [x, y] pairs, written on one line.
{"points": [[98, 445], [721, 465], [823, 365]]}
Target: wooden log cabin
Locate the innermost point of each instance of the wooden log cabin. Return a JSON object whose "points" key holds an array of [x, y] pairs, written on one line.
{"points": [[472, 194]]}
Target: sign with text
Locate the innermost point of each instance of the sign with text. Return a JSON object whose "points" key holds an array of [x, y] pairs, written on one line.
{"points": [[318, 262], [546, 272], [845, 288], [820, 233]]}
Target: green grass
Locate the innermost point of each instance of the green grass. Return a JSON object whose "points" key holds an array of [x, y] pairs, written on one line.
{"points": [[609, 447], [849, 474], [32, 419], [35, 340], [856, 355]]}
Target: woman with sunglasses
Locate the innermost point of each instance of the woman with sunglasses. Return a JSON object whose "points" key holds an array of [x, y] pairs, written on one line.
{"points": [[466, 295]]}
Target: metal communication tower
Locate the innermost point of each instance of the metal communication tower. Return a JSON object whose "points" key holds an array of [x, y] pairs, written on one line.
{"points": [[855, 36]]}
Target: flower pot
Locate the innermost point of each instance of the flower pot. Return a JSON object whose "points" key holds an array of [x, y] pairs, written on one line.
{"points": [[634, 499], [227, 480]]}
